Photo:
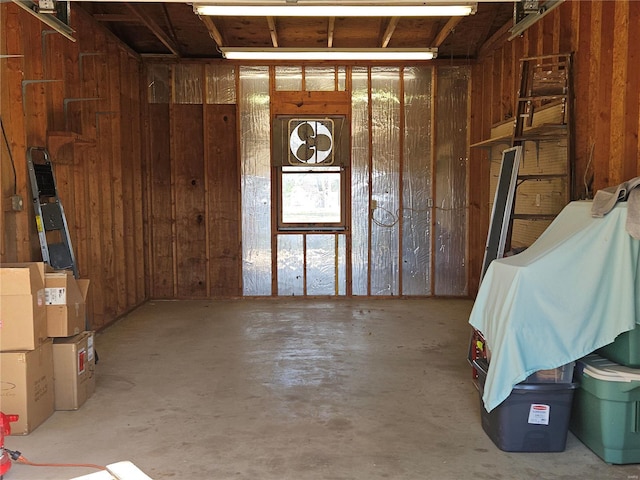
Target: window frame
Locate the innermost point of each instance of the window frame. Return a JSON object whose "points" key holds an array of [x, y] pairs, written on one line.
{"points": [[306, 227]]}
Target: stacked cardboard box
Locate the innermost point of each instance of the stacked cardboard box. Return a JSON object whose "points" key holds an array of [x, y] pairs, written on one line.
{"points": [[73, 370], [46, 358], [26, 354], [73, 352]]}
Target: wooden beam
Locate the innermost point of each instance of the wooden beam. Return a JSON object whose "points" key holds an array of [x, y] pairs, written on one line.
{"points": [[168, 23], [155, 29], [495, 40], [273, 31], [330, 30], [114, 17], [446, 31], [214, 33], [391, 27]]}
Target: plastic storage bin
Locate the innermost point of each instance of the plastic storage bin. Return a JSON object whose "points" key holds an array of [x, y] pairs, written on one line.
{"points": [[605, 414], [563, 374], [624, 350], [533, 418]]}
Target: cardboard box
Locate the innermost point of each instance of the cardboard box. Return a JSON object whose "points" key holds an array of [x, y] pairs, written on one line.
{"points": [[65, 299], [26, 386], [73, 370], [23, 314]]}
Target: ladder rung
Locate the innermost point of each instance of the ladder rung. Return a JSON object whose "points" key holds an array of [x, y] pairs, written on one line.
{"points": [[543, 176], [542, 97]]}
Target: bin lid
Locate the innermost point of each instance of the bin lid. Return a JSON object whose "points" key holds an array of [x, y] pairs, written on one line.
{"points": [[604, 369]]}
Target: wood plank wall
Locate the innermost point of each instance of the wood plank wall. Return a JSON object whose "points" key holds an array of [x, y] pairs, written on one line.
{"points": [[95, 146], [194, 225], [603, 37]]}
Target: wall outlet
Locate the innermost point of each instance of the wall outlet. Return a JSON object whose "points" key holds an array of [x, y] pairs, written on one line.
{"points": [[16, 203]]}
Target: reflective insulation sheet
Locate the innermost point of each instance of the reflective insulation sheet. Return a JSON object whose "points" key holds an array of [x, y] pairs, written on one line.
{"points": [[320, 79], [416, 182], [385, 180], [187, 83], [321, 264], [221, 84], [359, 180], [342, 264], [255, 151], [288, 78], [290, 265], [451, 180], [342, 79], [158, 90]]}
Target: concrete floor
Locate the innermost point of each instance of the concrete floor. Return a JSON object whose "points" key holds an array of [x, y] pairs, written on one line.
{"points": [[290, 389]]}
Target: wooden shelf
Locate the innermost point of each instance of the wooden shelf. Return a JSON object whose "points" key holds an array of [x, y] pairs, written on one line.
{"points": [[543, 132], [531, 134], [492, 142]]}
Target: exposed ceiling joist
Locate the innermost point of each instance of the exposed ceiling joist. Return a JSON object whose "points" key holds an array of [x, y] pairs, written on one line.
{"points": [[391, 27], [214, 33], [155, 29], [497, 38], [446, 31], [330, 31], [273, 31], [174, 28], [115, 17]]}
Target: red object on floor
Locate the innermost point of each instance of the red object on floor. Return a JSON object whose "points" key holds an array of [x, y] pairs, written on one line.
{"points": [[5, 429]]}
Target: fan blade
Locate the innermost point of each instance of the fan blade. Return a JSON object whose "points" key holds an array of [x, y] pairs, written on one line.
{"points": [[305, 131], [323, 142], [304, 152]]}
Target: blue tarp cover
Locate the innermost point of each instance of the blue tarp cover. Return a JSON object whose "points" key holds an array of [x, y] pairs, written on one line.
{"points": [[571, 292]]}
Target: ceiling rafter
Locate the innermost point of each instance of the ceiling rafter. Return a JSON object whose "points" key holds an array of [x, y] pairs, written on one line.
{"points": [[175, 26], [446, 31], [155, 29], [214, 33], [486, 31], [330, 30], [115, 17], [273, 31], [167, 19], [496, 39], [391, 27]]}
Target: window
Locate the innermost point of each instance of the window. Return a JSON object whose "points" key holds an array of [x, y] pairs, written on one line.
{"points": [[311, 173], [311, 196]]}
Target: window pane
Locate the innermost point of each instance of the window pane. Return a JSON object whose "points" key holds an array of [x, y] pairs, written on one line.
{"points": [[309, 197]]}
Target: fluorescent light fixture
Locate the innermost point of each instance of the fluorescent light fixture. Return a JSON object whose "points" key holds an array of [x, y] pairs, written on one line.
{"points": [[334, 9], [393, 54]]}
